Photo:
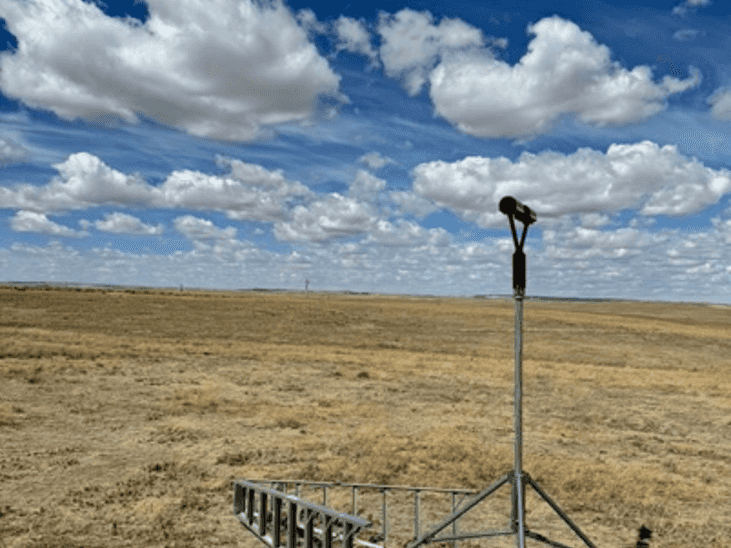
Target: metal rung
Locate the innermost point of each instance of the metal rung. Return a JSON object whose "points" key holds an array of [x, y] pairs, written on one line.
{"points": [[476, 534], [267, 539]]}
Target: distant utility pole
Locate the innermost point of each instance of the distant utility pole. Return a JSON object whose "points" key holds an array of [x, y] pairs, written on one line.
{"points": [[307, 285]]}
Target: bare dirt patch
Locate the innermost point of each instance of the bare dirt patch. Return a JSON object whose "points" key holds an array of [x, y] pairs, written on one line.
{"points": [[125, 416]]}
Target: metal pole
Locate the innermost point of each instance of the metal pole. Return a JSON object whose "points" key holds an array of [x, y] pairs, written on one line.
{"points": [[416, 514], [454, 523], [385, 523], [518, 493]]}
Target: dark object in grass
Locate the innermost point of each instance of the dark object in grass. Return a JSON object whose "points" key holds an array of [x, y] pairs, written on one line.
{"points": [[643, 538]]}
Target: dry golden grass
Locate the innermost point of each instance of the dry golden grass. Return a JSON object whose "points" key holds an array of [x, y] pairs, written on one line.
{"points": [[125, 416]]}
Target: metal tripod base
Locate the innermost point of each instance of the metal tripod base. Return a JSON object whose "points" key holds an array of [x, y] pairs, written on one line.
{"points": [[517, 525], [519, 528]]}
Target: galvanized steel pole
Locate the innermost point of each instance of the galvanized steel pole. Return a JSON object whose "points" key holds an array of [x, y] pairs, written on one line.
{"points": [[518, 488]]}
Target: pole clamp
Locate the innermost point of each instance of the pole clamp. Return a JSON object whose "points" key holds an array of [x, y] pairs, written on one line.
{"points": [[515, 210]]}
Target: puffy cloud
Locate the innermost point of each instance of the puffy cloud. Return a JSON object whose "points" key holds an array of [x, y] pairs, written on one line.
{"points": [[411, 202], [723, 227], [365, 187], [564, 72], [593, 220], [406, 234], [584, 243], [247, 191], [375, 161], [720, 103], [254, 175], [658, 180], [353, 37], [213, 68], [222, 243], [122, 223], [334, 217], [194, 228], [479, 254], [411, 44], [31, 221], [84, 181], [308, 20], [403, 233]]}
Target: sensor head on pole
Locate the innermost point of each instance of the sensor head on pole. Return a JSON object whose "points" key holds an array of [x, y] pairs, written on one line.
{"points": [[511, 206]]}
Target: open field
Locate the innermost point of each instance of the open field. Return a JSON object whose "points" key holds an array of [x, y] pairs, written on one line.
{"points": [[125, 416]]}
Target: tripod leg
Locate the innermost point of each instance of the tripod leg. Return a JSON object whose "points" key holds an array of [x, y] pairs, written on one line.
{"points": [[560, 512]]}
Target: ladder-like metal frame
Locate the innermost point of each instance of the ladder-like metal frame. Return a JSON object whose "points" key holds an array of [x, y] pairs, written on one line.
{"points": [[265, 512]]}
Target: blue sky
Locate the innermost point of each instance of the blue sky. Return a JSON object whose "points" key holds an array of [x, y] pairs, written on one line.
{"points": [[366, 146]]}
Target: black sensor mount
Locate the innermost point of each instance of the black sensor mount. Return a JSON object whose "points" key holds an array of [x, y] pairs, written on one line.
{"points": [[515, 210]]}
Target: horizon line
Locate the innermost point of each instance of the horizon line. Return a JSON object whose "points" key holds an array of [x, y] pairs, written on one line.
{"points": [[126, 287]]}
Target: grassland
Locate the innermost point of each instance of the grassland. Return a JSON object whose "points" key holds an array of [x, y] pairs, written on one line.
{"points": [[125, 416]]}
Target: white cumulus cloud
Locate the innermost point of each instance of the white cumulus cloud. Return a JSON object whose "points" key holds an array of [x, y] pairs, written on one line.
{"points": [[411, 202], [31, 221], [564, 72], [195, 228], [582, 243], [333, 217], [353, 37], [83, 181], [122, 223], [247, 191], [657, 180], [214, 68], [406, 234], [365, 187], [308, 20], [411, 44]]}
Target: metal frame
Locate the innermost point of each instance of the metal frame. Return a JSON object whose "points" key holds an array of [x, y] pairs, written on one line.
{"points": [[298, 521], [380, 540]]}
